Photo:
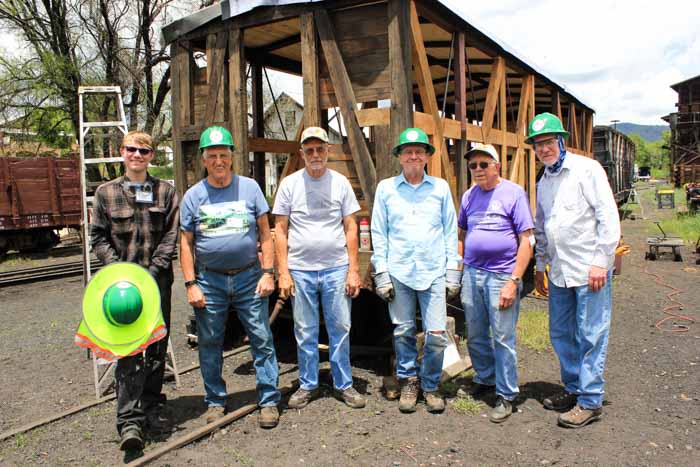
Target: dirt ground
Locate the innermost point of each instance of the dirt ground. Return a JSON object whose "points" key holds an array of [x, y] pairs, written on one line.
{"points": [[651, 413]]}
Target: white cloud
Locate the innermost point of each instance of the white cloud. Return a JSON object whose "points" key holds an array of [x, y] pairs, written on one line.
{"points": [[619, 57]]}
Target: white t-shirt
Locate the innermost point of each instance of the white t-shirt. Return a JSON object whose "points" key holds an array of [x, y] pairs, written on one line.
{"points": [[316, 207]]}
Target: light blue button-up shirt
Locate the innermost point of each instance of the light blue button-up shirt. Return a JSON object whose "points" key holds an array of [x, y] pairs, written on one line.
{"points": [[414, 230]]}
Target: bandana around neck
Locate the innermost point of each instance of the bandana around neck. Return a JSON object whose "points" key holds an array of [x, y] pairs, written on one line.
{"points": [[556, 167]]}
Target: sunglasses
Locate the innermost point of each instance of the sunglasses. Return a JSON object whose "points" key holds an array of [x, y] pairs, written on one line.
{"points": [[142, 151], [482, 165], [319, 150]]}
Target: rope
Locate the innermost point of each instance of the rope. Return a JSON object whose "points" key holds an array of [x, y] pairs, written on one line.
{"points": [[678, 305]]}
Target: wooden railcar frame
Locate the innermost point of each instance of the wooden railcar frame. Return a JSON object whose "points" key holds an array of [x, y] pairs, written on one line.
{"points": [[436, 70]]}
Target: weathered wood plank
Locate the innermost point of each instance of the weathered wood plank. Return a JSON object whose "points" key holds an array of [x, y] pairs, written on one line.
{"points": [[216, 46], [498, 70], [310, 71], [277, 146], [573, 126], [238, 101], [348, 106], [460, 112], [178, 62], [400, 117], [503, 125]]}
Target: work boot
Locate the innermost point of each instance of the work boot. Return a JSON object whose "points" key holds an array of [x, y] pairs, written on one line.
{"points": [[409, 394], [501, 411], [131, 439], [561, 401], [300, 398], [269, 416], [578, 417], [352, 398], [434, 401], [213, 413]]}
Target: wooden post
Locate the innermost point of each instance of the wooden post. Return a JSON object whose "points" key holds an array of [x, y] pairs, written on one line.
{"points": [[573, 127], [258, 124], [556, 104], [309, 71], [180, 111], [461, 113], [348, 106], [239, 108], [401, 114], [503, 124], [498, 71], [216, 48]]}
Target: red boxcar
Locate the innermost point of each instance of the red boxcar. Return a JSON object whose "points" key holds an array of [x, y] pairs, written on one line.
{"points": [[38, 196]]}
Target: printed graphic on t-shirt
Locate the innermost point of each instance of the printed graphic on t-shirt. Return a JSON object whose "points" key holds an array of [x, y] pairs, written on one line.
{"points": [[493, 218], [217, 220]]}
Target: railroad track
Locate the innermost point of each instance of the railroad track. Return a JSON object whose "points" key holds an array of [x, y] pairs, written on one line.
{"points": [[42, 273]]}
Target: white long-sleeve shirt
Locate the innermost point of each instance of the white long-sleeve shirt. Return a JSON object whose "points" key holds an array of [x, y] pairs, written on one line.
{"points": [[577, 224]]}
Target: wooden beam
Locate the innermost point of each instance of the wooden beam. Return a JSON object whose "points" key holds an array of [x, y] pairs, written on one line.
{"points": [[375, 117], [556, 104], [216, 47], [348, 106], [258, 124], [589, 132], [573, 127], [276, 146], [238, 113], [280, 43], [526, 89], [178, 54], [400, 65], [497, 75], [309, 69], [503, 125], [460, 111], [429, 100]]}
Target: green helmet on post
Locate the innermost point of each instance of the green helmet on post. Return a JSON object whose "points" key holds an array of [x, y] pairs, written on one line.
{"points": [[122, 303], [543, 124], [215, 136], [413, 136]]}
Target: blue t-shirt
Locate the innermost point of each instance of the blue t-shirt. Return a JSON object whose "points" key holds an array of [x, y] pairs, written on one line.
{"points": [[224, 222], [493, 220]]}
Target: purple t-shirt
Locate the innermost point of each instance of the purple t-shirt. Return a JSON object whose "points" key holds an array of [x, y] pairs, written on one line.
{"points": [[493, 220]]}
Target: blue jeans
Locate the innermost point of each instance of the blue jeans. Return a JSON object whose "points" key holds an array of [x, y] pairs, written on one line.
{"points": [[490, 330], [433, 310], [222, 291], [327, 289], [579, 325]]}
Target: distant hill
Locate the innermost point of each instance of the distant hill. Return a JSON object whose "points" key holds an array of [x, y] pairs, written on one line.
{"points": [[650, 133]]}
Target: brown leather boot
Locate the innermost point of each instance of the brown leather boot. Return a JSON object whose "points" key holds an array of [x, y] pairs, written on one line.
{"points": [[410, 387], [269, 417], [578, 417]]}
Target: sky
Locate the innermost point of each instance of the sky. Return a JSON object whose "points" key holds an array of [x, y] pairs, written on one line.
{"points": [[617, 56]]}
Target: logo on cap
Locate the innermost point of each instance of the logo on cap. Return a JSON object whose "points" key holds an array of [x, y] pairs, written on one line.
{"points": [[216, 136], [412, 135], [538, 124]]}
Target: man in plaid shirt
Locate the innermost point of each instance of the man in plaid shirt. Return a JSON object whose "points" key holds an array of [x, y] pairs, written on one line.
{"points": [[135, 219]]}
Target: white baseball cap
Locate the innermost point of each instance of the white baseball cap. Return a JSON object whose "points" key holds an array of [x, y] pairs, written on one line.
{"points": [[314, 132], [486, 149]]}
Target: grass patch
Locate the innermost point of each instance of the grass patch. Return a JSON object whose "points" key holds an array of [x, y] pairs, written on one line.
{"points": [[18, 261], [533, 329], [467, 405], [20, 440], [687, 227]]}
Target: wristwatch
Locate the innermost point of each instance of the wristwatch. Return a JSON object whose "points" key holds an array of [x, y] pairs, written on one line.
{"points": [[268, 271], [189, 284], [515, 279]]}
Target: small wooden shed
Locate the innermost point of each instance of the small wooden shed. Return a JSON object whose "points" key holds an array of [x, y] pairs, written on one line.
{"points": [[384, 65]]}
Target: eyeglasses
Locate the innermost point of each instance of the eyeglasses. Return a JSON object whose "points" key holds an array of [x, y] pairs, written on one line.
{"points": [[482, 165], [317, 149], [417, 152], [550, 143], [224, 157], [142, 151]]}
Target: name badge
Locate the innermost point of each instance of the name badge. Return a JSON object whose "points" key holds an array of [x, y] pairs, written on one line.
{"points": [[144, 195]]}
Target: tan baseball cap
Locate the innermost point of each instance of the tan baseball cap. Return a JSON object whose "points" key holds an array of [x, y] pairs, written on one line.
{"points": [[314, 132], [486, 149]]}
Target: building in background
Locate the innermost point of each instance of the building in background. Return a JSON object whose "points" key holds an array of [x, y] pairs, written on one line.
{"points": [[685, 132]]}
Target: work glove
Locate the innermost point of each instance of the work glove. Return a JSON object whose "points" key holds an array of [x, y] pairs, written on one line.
{"points": [[383, 286], [453, 284]]}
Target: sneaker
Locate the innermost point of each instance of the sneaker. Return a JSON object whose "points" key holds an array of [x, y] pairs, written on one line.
{"points": [[434, 401], [561, 401], [409, 394], [352, 398], [300, 399], [501, 411], [578, 417], [269, 416], [132, 440], [213, 413], [480, 390]]}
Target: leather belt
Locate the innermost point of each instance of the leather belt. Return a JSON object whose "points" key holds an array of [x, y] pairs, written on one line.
{"points": [[230, 272]]}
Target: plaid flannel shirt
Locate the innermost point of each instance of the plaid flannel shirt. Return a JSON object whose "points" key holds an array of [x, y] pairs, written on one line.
{"points": [[142, 233]]}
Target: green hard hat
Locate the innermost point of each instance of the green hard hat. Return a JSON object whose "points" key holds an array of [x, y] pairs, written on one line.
{"points": [[122, 303], [413, 136], [545, 123], [216, 136]]}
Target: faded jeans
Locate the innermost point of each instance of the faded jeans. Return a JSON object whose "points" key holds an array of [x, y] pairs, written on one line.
{"points": [[490, 330], [433, 310], [579, 325], [222, 291], [327, 289]]}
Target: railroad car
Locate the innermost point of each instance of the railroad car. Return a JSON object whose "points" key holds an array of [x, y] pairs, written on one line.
{"points": [[616, 153], [38, 197]]}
